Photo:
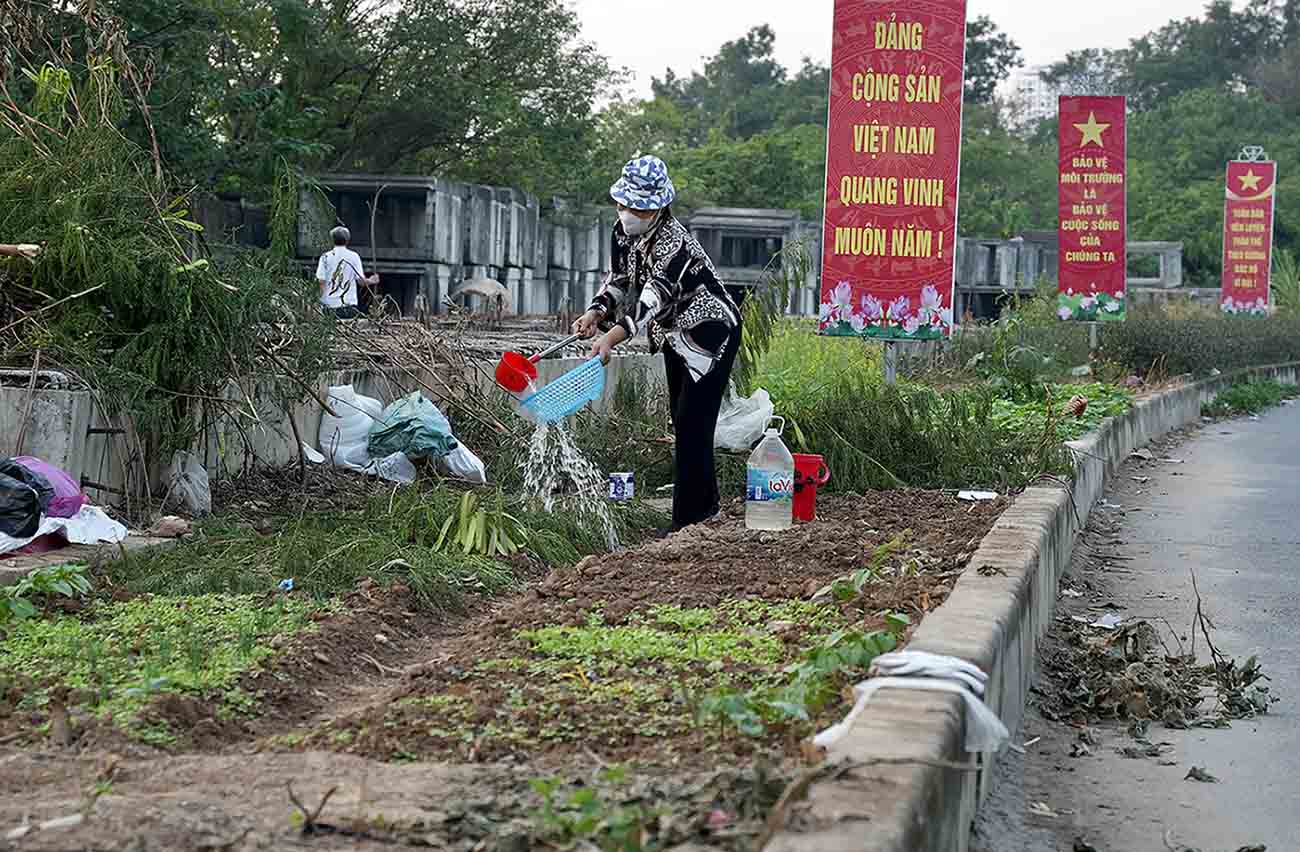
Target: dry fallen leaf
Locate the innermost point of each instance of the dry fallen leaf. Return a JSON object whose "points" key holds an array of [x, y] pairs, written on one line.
{"points": [[1197, 773]]}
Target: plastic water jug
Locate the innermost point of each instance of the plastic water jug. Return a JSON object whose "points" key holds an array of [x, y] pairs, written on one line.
{"points": [[769, 490]]}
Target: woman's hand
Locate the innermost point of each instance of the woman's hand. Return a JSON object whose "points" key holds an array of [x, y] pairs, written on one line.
{"points": [[604, 345], [585, 325]]}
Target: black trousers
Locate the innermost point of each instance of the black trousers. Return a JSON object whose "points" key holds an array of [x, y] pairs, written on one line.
{"points": [[694, 406]]}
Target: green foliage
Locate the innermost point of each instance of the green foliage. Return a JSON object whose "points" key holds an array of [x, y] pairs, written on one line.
{"points": [[1199, 343], [990, 57], [1052, 411], [589, 813], [485, 531], [391, 540], [121, 655], [807, 687], [663, 640], [798, 362], [67, 581], [1286, 284], [118, 296], [1249, 397], [876, 436], [763, 314], [851, 587], [501, 92]]}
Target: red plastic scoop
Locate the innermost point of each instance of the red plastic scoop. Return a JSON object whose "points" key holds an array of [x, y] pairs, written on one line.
{"points": [[516, 372]]}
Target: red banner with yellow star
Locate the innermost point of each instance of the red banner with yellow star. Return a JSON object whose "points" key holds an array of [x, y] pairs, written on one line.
{"points": [[1248, 236], [1093, 209], [893, 158]]}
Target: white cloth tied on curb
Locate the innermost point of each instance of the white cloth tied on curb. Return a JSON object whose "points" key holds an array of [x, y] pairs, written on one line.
{"points": [[934, 673]]}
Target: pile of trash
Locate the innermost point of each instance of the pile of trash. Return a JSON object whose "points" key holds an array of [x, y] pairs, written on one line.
{"points": [[1124, 671], [42, 508], [362, 435]]}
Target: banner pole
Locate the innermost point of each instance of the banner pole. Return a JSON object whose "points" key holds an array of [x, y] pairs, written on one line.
{"points": [[891, 362], [1093, 337]]}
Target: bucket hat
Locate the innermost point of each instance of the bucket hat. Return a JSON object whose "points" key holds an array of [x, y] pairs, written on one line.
{"points": [[645, 185]]}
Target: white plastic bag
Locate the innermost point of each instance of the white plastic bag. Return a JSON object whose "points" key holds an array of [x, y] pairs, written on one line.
{"points": [[463, 464], [343, 440], [188, 484], [89, 526], [741, 422], [395, 468]]}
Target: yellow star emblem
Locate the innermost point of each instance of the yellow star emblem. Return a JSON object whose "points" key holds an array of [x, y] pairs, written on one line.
{"points": [[1250, 180], [1092, 130]]}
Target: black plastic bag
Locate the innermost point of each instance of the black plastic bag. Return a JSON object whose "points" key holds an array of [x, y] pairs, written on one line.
{"points": [[24, 497]]}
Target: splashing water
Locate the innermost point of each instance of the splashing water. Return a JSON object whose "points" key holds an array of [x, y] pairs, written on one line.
{"points": [[553, 458]]}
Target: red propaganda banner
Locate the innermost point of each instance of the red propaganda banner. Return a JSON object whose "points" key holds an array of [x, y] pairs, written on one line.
{"points": [[1093, 262], [1248, 236], [893, 157]]}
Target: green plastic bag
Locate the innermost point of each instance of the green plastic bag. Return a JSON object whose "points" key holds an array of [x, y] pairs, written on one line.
{"points": [[413, 426]]}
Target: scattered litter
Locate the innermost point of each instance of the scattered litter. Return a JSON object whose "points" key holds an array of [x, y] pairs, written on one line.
{"points": [[169, 526], [1172, 461], [188, 484], [1198, 773], [742, 421], [1140, 480], [977, 496], [1144, 455], [1112, 668], [461, 463], [1109, 621], [89, 526], [1041, 809], [49, 825], [310, 453], [412, 426], [1081, 372], [1080, 750], [1139, 752], [286, 585], [1081, 845], [1071, 593], [1035, 741]]}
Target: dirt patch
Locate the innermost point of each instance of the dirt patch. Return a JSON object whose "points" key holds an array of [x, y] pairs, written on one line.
{"points": [[242, 802], [709, 563]]}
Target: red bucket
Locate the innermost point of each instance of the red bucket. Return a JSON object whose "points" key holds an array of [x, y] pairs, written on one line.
{"points": [[515, 372], [810, 471]]}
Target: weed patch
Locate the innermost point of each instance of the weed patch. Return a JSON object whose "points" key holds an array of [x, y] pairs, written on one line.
{"points": [[607, 685], [120, 656], [1033, 417], [394, 538], [1250, 397]]}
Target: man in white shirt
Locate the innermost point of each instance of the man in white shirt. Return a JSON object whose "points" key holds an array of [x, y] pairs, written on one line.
{"points": [[338, 272]]}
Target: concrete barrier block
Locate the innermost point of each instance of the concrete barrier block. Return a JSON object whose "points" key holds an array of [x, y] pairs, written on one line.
{"points": [[561, 247]]}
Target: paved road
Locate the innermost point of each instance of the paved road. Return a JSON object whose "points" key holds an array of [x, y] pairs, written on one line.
{"points": [[1231, 512]]}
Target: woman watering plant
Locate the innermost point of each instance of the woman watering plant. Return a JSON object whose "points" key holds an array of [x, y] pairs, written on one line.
{"points": [[663, 285]]}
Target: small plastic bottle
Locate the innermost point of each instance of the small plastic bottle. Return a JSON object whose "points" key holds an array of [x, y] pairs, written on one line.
{"points": [[769, 492]]}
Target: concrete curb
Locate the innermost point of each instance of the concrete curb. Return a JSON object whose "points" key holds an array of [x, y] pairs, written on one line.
{"points": [[995, 620]]}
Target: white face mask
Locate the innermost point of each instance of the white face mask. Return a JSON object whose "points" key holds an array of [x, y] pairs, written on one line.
{"points": [[634, 226]]}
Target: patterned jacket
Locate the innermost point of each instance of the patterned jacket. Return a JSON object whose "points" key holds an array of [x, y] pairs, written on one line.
{"points": [[664, 284]]}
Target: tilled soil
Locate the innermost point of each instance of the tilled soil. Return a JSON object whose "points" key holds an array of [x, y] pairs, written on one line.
{"points": [[496, 693], [381, 686]]}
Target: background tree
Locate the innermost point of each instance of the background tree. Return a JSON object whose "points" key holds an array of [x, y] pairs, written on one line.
{"points": [[991, 56]]}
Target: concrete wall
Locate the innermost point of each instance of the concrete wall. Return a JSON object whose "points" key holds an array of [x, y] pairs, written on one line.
{"points": [[68, 429], [995, 619]]}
